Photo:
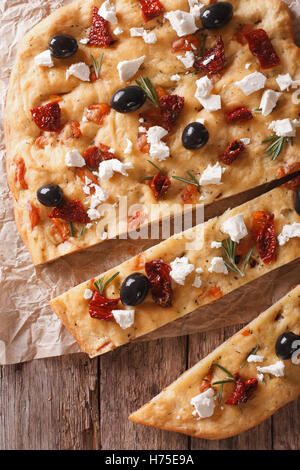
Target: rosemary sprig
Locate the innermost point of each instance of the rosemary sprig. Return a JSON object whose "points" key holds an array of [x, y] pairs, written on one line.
{"points": [[156, 167], [221, 382], [230, 379], [97, 64], [229, 249], [71, 229], [253, 351], [193, 181], [257, 110], [220, 394], [201, 50], [101, 285], [82, 230], [146, 85], [276, 146]]}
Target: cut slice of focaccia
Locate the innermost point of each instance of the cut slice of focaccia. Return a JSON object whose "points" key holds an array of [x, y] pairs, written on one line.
{"points": [[182, 273], [216, 100], [240, 384]]}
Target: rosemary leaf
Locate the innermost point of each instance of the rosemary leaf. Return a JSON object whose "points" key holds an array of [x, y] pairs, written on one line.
{"points": [[146, 85], [82, 230], [221, 382], [97, 64], [71, 229], [253, 351], [229, 248], [247, 258], [201, 50], [220, 394], [276, 146], [156, 167], [99, 283], [223, 369]]}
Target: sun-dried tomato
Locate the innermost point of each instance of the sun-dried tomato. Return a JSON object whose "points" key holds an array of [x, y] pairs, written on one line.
{"points": [[47, 117], [205, 383], [261, 47], [190, 193], [294, 183], [20, 173], [99, 33], [84, 172], [60, 230], [263, 228], [191, 42], [151, 9], [213, 61], [135, 220], [170, 108], [34, 214], [97, 112], [232, 152], [143, 143], [101, 307], [239, 114], [160, 185], [158, 273], [95, 155], [70, 211], [239, 36], [243, 390], [75, 130]]}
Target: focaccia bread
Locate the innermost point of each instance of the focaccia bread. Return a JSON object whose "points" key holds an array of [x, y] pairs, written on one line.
{"points": [[264, 360], [182, 273], [61, 128]]}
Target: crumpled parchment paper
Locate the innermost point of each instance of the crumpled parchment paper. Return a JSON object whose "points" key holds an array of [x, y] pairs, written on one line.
{"points": [[28, 327]]}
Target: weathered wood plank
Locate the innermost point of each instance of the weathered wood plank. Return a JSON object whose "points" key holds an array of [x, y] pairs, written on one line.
{"points": [[286, 427], [129, 377], [50, 404]]}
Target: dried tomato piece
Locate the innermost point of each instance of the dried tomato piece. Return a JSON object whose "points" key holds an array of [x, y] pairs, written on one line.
{"points": [[99, 33], [84, 172], [158, 273], [101, 307], [75, 130], [160, 185], [186, 43], [170, 108], [152, 117], [47, 117], [243, 390], [60, 230], [95, 155], [189, 193], [239, 36], [20, 173], [294, 183], [34, 214], [261, 47], [151, 9], [71, 211], [97, 112], [264, 231], [239, 114], [213, 61], [206, 383], [232, 152]]}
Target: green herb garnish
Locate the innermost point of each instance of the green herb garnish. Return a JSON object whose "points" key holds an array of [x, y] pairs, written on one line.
{"points": [[257, 110], [230, 379], [71, 229], [229, 248], [223, 369], [146, 85], [156, 167], [276, 146], [101, 285], [253, 351], [192, 181], [201, 50], [82, 230], [220, 394], [97, 64]]}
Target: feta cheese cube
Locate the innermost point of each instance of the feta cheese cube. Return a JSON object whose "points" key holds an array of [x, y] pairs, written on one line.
{"points": [[283, 128], [175, 78], [211, 102], [80, 71], [128, 148], [74, 158], [188, 59], [88, 294], [118, 31], [268, 101], [108, 167], [44, 59], [255, 358], [289, 231], [218, 266], [246, 141], [284, 81], [276, 369], [195, 8], [181, 268], [204, 87], [216, 245], [124, 318], [252, 83], [235, 227], [204, 404], [158, 148], [212, 175], [128, 68], [197, 282], [108, 12], [182, 22]]}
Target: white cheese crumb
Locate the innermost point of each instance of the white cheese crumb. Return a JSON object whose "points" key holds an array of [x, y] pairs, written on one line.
{"points": [[216, 245], [158, 148], [260, 377], [93, 214], [204, 403], [84, 41], [118, 31], [108, 167], [74, 158], [181, 269], [124, 318], [128, 148], [79, 70], [44, 59], [204, 87], [197, 282], [128, 68], [88, 294], [235, 227], [247, 66], [199, 270], [195, 8], [276, 369], [252, 82], [283, 127], [175, 78], [212, 175], [269, 101], [88, 226], [289, 231], [99, 196], [246, 141], [211, 103], [108, 12], [149, 37], [255, 358], [201, 120], [284, 81], [188, 59], [218, 266], [182, 22]]}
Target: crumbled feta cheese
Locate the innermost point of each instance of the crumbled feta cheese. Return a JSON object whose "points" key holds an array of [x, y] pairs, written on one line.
{"points": [[283, 128], [211, 102], [204, 404], [104, 235], [204, 87], [284, 81], [252, 82], [276, 369], [218, 266], [88, 294], [88, 226], [197, 282], [74, 158], [181, 269], [289, 231], [199, 270], [255, 358], [79, 70], [182, 22], [124, 318], [188, 59], [200, 120], [128, 148], [175, 78], [209, 59], [149, 37], [111, 150], [84, 41], [44, 59], [216, 245], [108, 12], [108, 167], [93, 214], [235, 227], [247, 66], [260, 377], [85, 119], [296, 354], [268, 101], [212, 175], [141, 120], [246, 141], [128, 68], [118, 31], [99, 196], [142, 129], [158, 148], [195, 8]]}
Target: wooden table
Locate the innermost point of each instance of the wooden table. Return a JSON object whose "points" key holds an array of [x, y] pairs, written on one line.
{"points": [[73, 402]]}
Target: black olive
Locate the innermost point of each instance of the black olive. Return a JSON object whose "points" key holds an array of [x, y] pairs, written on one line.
{"points": [[297, 201], [63, 46], [194, 136], [128, 99], [50, 195], [217, 15], [134, 289], [286, 346]]}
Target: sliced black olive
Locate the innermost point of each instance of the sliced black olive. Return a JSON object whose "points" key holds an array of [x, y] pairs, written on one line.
{"points": [[134, 289], [195, 136], [128, 99], [297, 201], [286, 346], [217, 15], [50, 195], [63, 46]]}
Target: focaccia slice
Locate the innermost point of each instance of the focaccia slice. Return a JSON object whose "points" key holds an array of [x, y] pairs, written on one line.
{"points": [[249, 353], [90, 127], [198, 275]]}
